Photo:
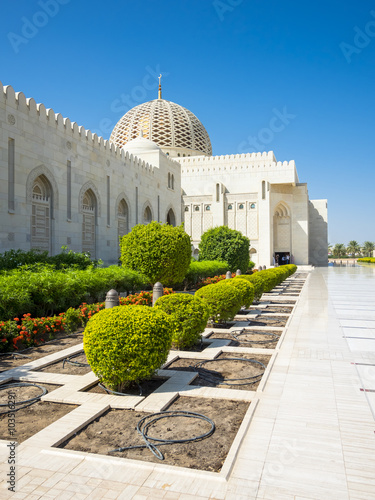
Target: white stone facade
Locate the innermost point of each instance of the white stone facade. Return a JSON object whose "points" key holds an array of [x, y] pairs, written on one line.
{"points": [[62, 185], [262, 198]]}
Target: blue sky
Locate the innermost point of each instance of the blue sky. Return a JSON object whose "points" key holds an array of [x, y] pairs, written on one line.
{"points": [[236, 64]]}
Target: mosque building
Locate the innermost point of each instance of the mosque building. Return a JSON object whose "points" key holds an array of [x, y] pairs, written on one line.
{"points": [[64, 186]]}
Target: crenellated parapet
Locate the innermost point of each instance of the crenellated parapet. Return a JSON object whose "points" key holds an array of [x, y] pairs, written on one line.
{"points": [[16, 103]]}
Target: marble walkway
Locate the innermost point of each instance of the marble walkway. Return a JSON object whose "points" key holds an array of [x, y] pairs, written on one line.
{"points": [[311, 435]]}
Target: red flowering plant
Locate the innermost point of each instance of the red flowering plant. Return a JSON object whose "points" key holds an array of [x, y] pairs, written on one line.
{"points": [[86, 311], [8, 331], [142, 298], [213, 280]]}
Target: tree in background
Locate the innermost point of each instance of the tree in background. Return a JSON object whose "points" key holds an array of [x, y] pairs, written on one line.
{"points": [[222, 243], [368, 248], [353, 248], [159, 251], [339, 250]]}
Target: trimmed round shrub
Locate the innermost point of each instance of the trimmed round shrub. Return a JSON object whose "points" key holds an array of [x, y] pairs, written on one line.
{"points": [[159, 251], [257, 283], [245, 288], [189, 315], [223, 243], [223, 302], [127, 344]]}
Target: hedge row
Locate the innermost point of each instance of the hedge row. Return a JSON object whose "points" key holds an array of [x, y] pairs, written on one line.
{"points": [[45, 291], [369, 260], [198, 271], [225, 298], [11, 259]]}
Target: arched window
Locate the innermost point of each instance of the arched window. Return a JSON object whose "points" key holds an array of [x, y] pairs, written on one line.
{"points": [[122, 218], [41, 214], [171, 219], [263, 190], [89, 204], [172, 181], [147, 215], [169, 180]]}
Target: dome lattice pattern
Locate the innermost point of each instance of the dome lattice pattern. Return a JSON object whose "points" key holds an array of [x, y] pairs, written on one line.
{"points": [[164, 122]]}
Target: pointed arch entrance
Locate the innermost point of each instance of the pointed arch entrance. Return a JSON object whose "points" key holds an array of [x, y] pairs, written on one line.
{"points": [[282, 235]]}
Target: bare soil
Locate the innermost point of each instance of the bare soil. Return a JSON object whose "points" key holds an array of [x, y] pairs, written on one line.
{"points": [[279, 309], [250, 338], [264, 320], [117, 428], [218, 373], [279, 302], [145, 388], [70, 368], [13, 359], [33, 418]]}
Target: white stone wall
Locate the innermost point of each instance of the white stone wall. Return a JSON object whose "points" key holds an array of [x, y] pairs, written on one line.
{"points": [[44, 143], [318, 227]]}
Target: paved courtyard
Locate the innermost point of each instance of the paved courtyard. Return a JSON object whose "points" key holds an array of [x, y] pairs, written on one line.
{"points": [[310, 434]]}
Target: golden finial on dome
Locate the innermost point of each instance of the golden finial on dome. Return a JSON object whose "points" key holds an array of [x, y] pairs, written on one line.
{"points": [[159, 93]]}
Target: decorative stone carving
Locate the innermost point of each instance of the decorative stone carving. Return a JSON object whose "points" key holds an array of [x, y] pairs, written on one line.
{"points": [[11, 119]]}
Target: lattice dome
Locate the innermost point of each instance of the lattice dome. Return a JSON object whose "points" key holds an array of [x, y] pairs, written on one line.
{"points": [[172, 127]]}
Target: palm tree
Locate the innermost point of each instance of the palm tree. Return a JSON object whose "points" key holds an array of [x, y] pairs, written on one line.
{"points": [[339, 250], [368, 248], [353, 248], [330, 249]]}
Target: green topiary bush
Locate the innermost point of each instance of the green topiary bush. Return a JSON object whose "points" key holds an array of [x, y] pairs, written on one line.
{"points": [[127, 344], [223, 243], [159, 251], [257, 283], [223, 302], [189, 315], [245, 288]]}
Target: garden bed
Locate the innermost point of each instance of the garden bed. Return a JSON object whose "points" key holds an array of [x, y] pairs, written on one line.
{"points": [[250, 338], [76, 365], [33, 418], [263, 320], [218, 373], [279, 309], [117, 428], [62, 341], [145, 388]]}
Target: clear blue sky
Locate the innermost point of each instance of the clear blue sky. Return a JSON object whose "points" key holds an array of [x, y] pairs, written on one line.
{"points": [[235, 64]]}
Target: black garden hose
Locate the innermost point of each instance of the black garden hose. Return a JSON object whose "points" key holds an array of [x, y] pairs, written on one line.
{"points": [[214, 378], [26, 402], [146, 422]]}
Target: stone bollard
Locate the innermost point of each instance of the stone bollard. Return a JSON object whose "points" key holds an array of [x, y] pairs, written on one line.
{"points": [[238, 272], [260, 268], [157, 292], [228, 275], [112, 299]]}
